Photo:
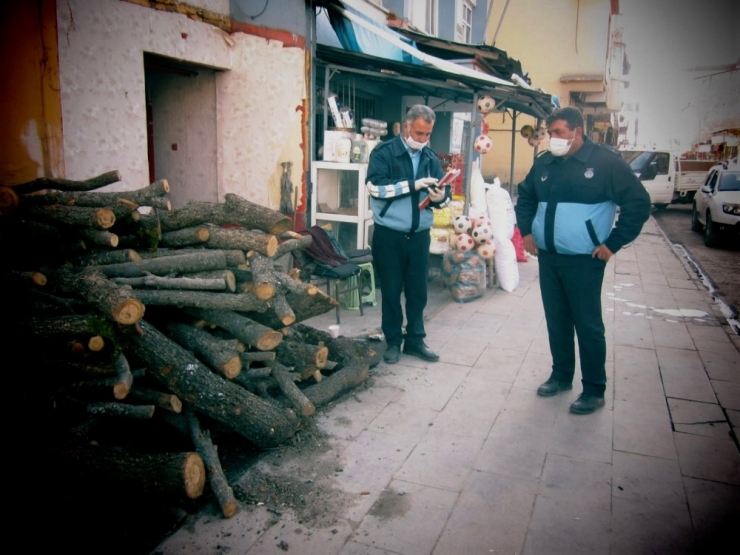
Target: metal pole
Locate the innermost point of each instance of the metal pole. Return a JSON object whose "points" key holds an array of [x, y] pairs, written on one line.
{"points": [[513, 152], [500, 21]]}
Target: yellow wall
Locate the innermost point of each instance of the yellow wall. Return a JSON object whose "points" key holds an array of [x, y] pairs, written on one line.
{"points": [[31, 134]]}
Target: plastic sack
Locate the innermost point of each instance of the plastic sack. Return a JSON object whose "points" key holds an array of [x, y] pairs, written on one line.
{"points": [[478, 199], [521, 255], [464, 274], [507, 271], [440, 239], [442, 217], [500, 211]]}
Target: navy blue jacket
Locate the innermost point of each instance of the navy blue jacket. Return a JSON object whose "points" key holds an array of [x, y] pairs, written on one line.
{"points": [[390, 184], [569, 204]]}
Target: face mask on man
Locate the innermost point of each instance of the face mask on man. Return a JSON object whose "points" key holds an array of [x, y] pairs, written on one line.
{"points": [[560, 147], [416, 145]]}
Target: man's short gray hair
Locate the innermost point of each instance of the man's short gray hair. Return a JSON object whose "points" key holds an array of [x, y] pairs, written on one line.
{"points": [[420, 111]]}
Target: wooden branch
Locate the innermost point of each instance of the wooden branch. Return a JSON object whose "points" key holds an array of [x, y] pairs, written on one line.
{"points": [[257, 356], [262, 423], [340, 382], [245, 302], [96, 343], [101, 237], [186, 262], [97, 218], [123, 410], [282, 309], [226, 276], [143, 232], [116, 301], [67, 185], [213, 352], [124, 377], [304, 358], [216, 477], [297, 399], [139, 197], [184, 237], [185, 282], [292, 244], [233, 257], [263, 272], [166, 401], [100, 258], [245, 329], [255, 216], [241, 239]]}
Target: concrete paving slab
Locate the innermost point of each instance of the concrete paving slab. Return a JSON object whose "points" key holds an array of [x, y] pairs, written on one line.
{"points": [[491, 516], [291, 535], [642, 527], [588, 437], [499, 363], [631, 331], [643, 429], [715, 512], [670, 334], [683, 375], [405, 421], [701, 333], [637, 376], [703, 419], [728, 393], [407, 518], [563, 528], [708, 458], [577, 481], [647, 479], [721, 361]]}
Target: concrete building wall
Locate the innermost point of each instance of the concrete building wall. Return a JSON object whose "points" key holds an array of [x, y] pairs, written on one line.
{"points": [[257, 95]]}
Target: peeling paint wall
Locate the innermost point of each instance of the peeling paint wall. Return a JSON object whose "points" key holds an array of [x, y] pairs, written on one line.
{"points": [[257, 85]]}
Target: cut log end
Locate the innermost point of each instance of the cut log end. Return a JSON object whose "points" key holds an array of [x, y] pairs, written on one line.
{"points": [[194, 474], [264, 291], [129, 312], [96, 343], [229, 509], [269, 340], [232, 367], [121, 390]]}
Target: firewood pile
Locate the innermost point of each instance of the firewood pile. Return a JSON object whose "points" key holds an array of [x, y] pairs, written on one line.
{"points": [[182, 320]]}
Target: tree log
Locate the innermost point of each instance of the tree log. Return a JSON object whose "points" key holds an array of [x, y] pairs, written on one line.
{"points": [[97, 218], [282, 309], [101, 237], [304, 306], [67, 185], [262, 423], [255, 216], [244, 329], [233, 257], [166, 401], [340, 382], [116, 301], [167, 474], [304, 358], [246, 302], [124, 377], [341, 349], [227, 277], [215, 353], [187, 262], [216, 477], [136, 412], [101, 258], [185, 237], [186, 282], [297, 399], [257, 356], [241, 239], [143, 233], [145, 196], [263, 272], [302, 242], [9, 201]]}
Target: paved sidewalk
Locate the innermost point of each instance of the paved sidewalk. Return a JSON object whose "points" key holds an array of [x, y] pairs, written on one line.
{"points": [[462, 457]]}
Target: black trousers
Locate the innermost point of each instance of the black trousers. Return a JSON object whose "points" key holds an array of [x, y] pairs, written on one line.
{"points": [[402, 262], [571, 295]]}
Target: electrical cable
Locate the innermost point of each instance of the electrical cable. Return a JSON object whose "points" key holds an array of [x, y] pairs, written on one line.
{"points": [[239, 5]]}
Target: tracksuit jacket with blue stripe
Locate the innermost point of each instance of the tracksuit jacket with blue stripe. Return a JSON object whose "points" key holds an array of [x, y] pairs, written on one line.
{"points": [[569, 204], [390, 184]]}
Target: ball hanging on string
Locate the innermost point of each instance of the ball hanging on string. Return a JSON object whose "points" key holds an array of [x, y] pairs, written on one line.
{"points": [[483, 144], [486, 104]]}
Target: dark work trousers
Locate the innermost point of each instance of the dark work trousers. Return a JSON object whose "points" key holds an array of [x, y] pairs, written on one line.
{"points": [[571, 295], [402, 262]]}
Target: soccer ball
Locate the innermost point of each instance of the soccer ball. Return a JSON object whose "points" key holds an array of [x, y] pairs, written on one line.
{"points": [[527, 131], [486, 104], [462, 224], [464, 242], [532, 142], [482, 233], [480, 220], [486, 250], [483, 144], [539, 134]]}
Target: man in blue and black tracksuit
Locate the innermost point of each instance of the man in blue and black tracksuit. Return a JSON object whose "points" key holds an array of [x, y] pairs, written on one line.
{"points": [[401, 173], [565, 211]]}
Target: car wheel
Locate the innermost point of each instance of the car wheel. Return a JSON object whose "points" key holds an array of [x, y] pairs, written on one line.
{"points": [[695, 223], [710, 233]]}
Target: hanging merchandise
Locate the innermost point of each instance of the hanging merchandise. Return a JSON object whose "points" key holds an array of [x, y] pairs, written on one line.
{"points": [[532, 142], [483, 144], [486, 104], [286, 190], [539, 134], [527, 131]]}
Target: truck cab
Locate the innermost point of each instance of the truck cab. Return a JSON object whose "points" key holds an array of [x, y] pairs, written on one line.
{"points": [[667, 177]]}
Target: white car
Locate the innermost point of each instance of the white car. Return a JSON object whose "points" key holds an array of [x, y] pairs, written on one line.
{"points": [[717, 204]]}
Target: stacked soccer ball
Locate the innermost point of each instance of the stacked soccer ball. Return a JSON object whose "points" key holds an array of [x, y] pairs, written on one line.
{"points": [[473, 234]]}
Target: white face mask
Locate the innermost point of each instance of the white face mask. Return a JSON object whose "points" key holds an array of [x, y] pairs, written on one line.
{"points": [[560, 147], [416, 145]]}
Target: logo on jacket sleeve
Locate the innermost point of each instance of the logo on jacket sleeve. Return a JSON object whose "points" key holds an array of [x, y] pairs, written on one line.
{"points": [[589, 173]]}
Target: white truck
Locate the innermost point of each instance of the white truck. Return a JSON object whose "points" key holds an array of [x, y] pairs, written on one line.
{"points": [[667, 177]]}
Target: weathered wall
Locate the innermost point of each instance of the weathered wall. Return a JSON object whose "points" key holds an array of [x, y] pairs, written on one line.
{"points": [[256, 92], [31, 134]]}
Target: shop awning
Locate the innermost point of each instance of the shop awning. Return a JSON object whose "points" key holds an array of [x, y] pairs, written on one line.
{"points": [[387, 55]]}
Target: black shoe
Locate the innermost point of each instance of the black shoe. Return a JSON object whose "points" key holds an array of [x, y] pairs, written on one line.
{"points": [[552, 387], [586, 404], [392, 354], [420, 350]]}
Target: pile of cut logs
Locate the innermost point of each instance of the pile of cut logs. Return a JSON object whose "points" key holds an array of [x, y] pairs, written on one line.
{"points": [[222, 344]]}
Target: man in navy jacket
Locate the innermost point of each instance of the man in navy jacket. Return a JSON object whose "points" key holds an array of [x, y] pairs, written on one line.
{"points": [[565, 211], [401, 173]]}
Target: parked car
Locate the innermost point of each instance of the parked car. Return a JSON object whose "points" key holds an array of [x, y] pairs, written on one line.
{"points": [[717, 204]]}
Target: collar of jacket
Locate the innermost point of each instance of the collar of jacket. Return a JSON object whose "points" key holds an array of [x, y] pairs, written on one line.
{"points": [[582, 155], [399, 148]]}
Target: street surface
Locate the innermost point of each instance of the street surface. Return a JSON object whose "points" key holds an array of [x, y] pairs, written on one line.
{"points": [[720, 265]]}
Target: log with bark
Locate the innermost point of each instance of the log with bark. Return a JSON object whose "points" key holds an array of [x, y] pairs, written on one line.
{"points": [[166, 401], [188, 282], [262, 423], [330, 388], [185, 262], [304, 358], [151, 195], [100, 258], [185, 237], [241, 239], [96, 218], [295, 396], [202, 299], [91, 184], [121, 410], [244, 329], [217, 354]]}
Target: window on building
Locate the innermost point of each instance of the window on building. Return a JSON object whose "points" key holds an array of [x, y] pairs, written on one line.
{"points": [[464, 23], [431, 23]]}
